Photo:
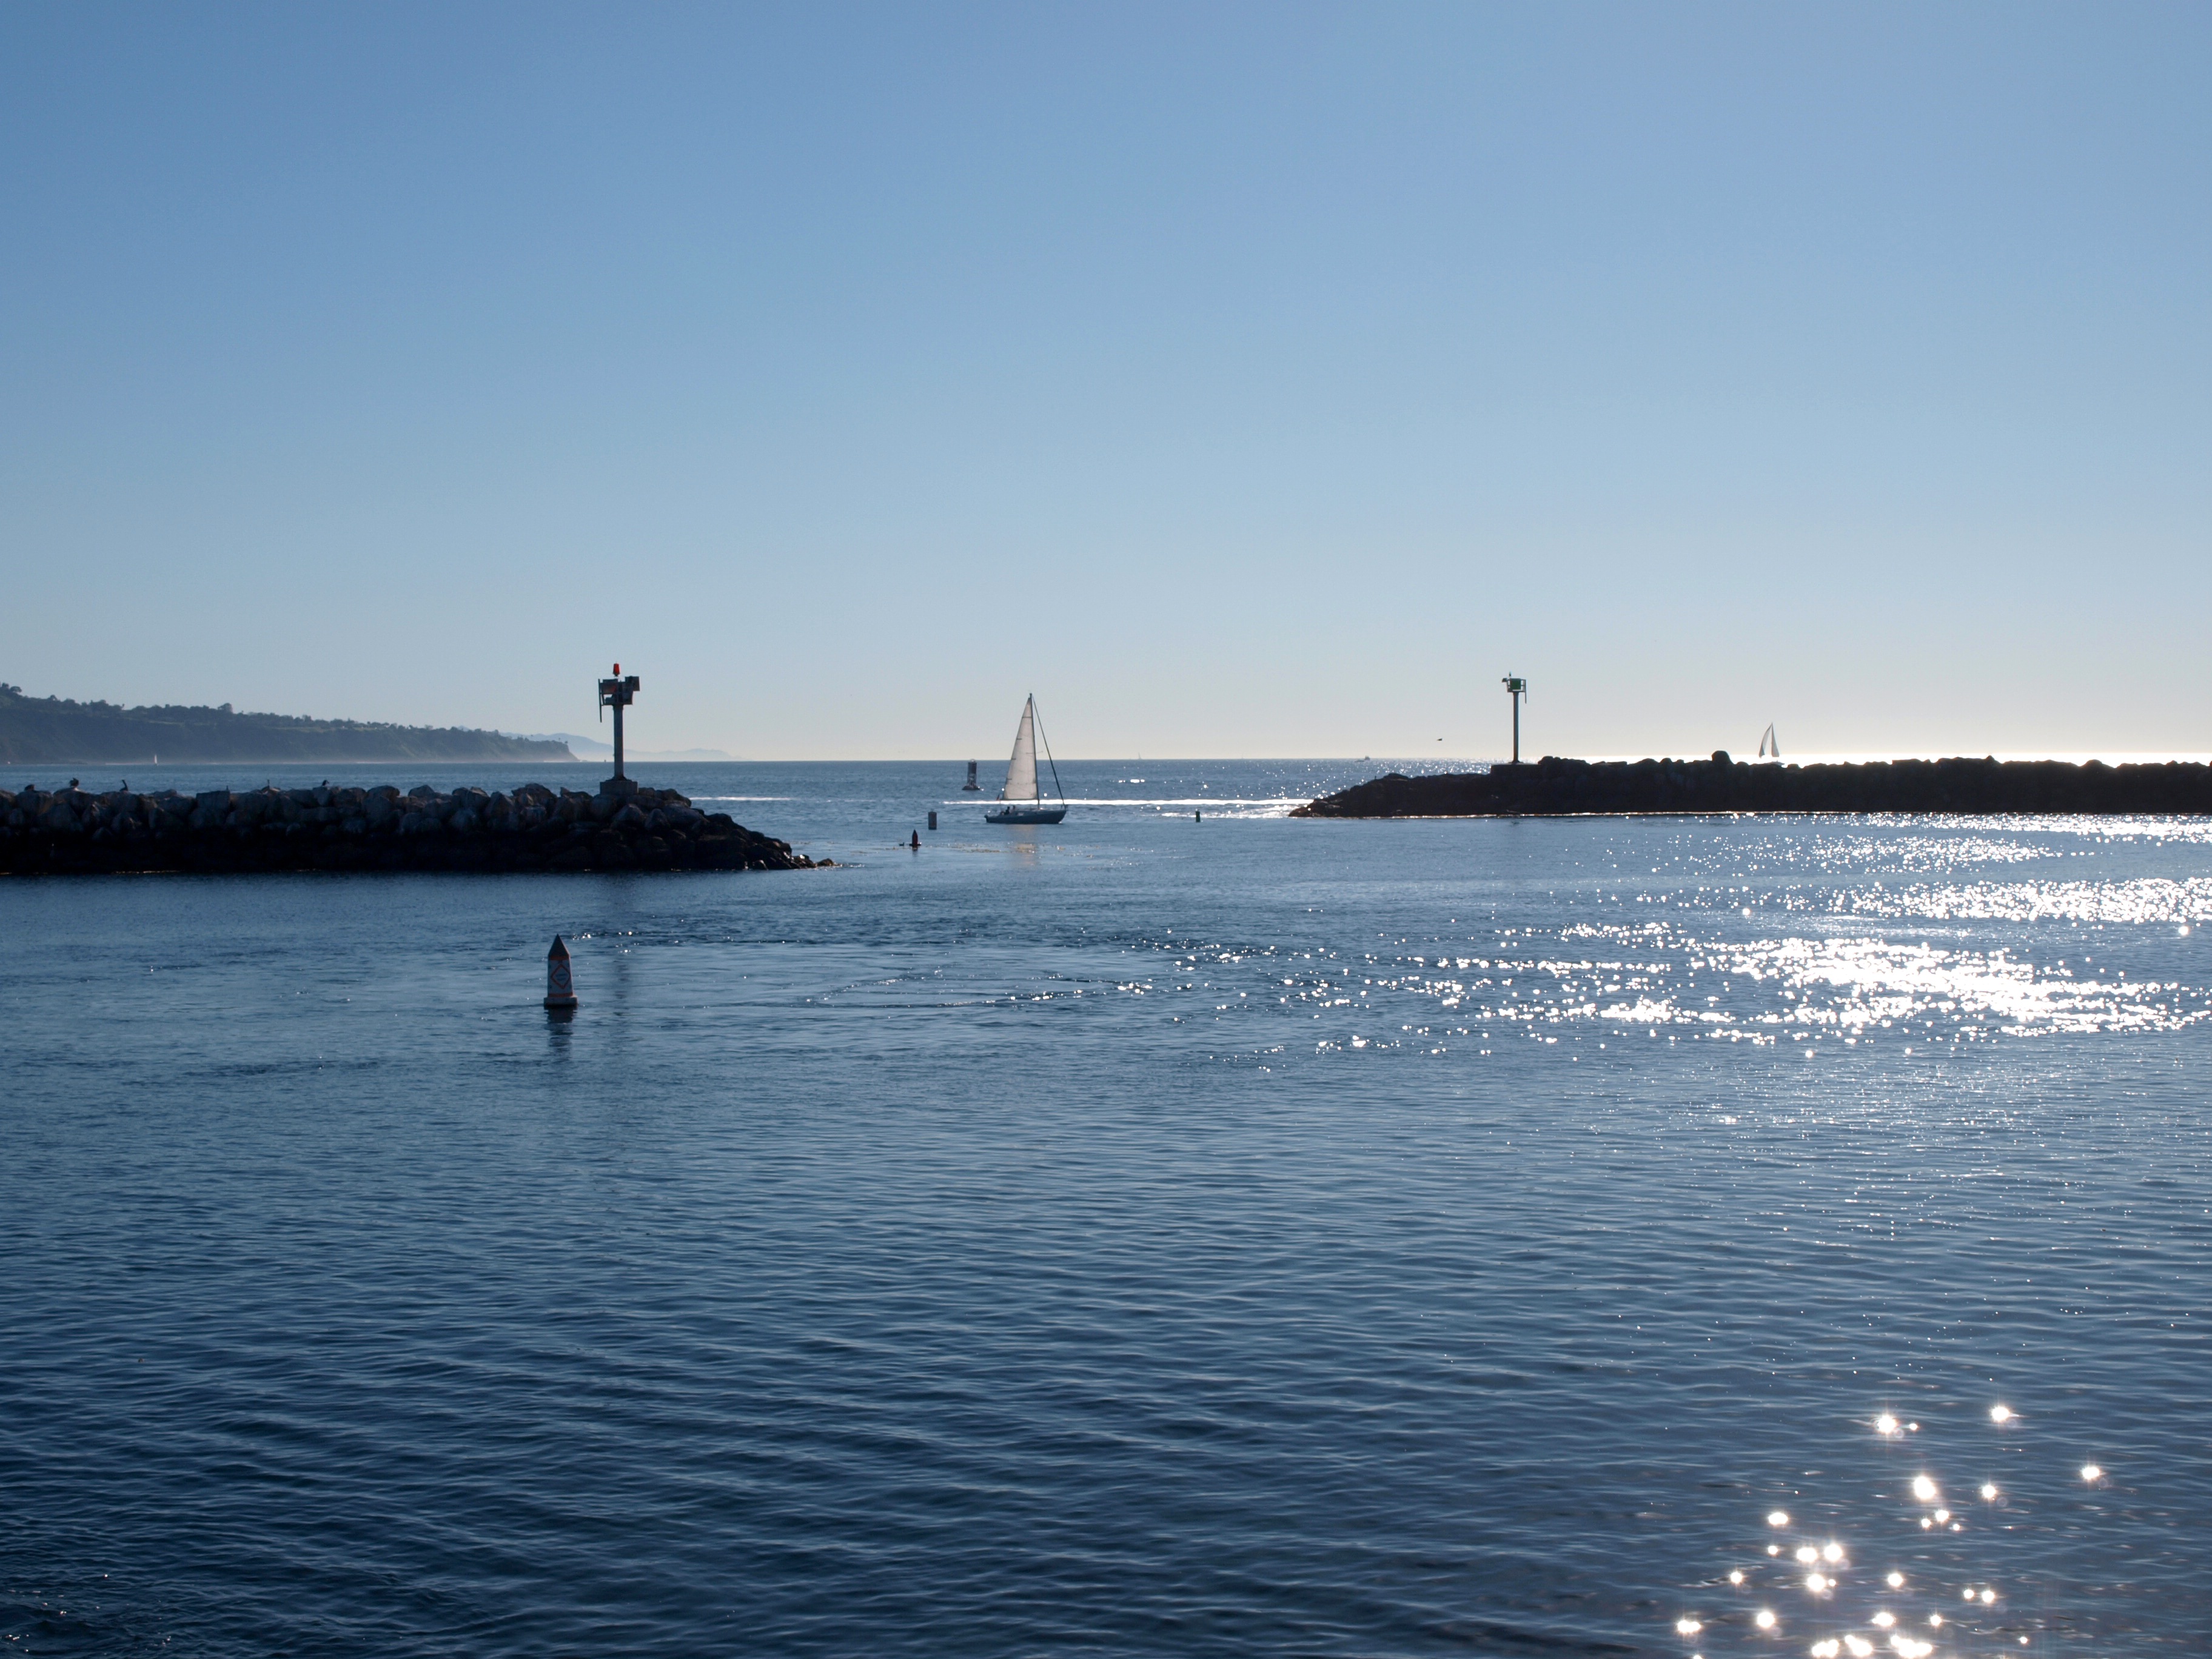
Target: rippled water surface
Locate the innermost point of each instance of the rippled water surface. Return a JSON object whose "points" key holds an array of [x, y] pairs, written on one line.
{"points": [[1150, 1235]]}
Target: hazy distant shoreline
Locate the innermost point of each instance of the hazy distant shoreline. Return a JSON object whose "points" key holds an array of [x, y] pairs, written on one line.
{"points": [[55, 731]]}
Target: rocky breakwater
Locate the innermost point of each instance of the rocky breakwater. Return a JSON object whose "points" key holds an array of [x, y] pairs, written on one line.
{"points": [[69, 831], [1553, 786]]}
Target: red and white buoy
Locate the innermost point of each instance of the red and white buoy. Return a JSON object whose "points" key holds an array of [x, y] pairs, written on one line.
{"points": [[560, 984]]}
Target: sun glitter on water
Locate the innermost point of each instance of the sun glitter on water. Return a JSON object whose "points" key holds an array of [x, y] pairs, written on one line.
{"points": [[1872, 1589]]}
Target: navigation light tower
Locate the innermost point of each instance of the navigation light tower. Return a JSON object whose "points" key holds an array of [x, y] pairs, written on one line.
{"points": [[616, 694], [1517, 693]]}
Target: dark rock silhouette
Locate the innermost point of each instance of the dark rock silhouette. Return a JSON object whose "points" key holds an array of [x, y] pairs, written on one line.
{"points": [[69, 831], [1553, 786]]}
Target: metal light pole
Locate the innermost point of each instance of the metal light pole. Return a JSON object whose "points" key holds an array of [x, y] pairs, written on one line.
{"points": [[1517, 692], [616, 694]]}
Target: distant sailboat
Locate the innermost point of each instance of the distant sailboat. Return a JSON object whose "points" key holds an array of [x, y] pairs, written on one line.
{"points": [[1770, 746], [1024, 802]]}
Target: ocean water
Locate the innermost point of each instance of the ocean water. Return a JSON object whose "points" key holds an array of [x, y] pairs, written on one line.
{"points": [[1234, 1235]]}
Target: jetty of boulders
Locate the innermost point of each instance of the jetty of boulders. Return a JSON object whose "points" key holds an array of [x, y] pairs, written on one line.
{"points": [[622, 827], [1554, 787]]}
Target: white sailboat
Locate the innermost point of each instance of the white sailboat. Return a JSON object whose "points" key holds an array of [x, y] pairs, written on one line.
{"points": [[1024, 800], [1770, 746]]}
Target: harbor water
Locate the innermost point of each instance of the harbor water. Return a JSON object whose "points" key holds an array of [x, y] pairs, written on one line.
{"points": [[1183, 1229]]}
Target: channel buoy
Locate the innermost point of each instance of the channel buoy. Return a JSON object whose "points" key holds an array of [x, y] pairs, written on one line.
{"points": [[560, 983]]}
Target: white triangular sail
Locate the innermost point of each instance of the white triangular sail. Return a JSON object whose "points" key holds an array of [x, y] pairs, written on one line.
{"points": [[1769, 744], [1021, 770]]}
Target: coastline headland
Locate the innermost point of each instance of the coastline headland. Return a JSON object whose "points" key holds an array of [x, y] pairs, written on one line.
{"points": [[1553, 787], [52, 731], [70, 831]]}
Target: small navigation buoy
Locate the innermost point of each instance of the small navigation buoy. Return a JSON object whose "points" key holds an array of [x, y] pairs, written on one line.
{"points": [[932, 822], [915, 842], [1197, 817], [560, 984]]}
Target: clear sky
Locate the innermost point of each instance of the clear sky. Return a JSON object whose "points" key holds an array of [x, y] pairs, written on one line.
{"points": [[1257, 380]]}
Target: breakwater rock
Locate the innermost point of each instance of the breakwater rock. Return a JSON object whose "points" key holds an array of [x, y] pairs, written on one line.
{"points": [[67, 832], [1554, 787]]}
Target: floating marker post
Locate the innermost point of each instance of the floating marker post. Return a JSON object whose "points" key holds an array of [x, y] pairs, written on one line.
{"points": [[560, 983], [1517, 693], [971, 783], [914, 841], [618, 694], [932, 821]]}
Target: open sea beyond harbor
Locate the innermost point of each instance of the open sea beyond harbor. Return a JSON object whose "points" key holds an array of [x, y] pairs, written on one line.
{"points": [[1149, 1235]]}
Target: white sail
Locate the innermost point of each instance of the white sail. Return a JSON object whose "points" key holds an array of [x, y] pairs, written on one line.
{"points": [[1021, 770]]}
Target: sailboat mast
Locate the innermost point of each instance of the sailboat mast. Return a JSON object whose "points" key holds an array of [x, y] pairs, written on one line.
{"points": [[1049, 760]]}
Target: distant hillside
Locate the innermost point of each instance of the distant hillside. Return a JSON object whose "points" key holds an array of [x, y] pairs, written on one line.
{"points": [[49, 732]]}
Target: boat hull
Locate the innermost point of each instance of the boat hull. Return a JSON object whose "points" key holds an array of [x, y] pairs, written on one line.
{"points": [[1026, 815]]}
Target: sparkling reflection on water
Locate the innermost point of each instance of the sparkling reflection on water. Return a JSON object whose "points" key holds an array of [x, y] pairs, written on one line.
{"points": [[1896, 1567], [1231, 1234]]}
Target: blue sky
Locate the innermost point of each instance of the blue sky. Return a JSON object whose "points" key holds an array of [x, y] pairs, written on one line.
{"points": [[1244, 381]]}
